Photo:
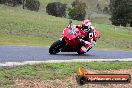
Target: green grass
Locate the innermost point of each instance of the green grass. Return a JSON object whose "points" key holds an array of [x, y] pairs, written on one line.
{"points": [[55, 70], [115, 37], [29, 26], [24, 27]]}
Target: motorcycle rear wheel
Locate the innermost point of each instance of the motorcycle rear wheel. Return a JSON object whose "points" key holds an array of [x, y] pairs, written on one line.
{"points": [[56, 47], [80, 53]]}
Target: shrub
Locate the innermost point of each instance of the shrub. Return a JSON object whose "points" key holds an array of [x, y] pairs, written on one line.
{"points": [[56, 9], [32, 5], [131, 24], [99, 8], [106, 10], [77, 11], [2, 1], [12, 3]]}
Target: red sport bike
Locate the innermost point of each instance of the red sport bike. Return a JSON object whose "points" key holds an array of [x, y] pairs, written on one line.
{"points": [[69, 42]]}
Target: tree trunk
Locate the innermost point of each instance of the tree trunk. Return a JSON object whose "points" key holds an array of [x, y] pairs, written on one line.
{"points": [[23, 3]]}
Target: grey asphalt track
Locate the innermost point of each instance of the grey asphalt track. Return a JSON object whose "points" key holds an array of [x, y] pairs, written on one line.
{"points": [[40, 53]]}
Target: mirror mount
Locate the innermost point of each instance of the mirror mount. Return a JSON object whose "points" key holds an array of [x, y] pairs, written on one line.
{"points": [[70, 22]]}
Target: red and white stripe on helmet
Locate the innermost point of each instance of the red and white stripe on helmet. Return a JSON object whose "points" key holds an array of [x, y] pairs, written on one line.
{"points": [[86, 23]]}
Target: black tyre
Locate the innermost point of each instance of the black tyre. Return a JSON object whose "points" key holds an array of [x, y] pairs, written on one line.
{"points": [[81, 80], [80, 53], [56, 47]]}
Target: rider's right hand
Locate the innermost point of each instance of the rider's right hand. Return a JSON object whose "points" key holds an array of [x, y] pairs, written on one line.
{"points": [[78, 26]]}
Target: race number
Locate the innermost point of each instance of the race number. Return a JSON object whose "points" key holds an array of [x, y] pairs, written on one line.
{"points": [[91, 35]]}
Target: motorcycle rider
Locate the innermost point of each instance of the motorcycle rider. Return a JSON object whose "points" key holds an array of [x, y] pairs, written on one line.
{"points": [[88, 36]]}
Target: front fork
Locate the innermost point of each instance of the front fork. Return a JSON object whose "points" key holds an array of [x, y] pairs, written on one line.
{"points": [[62, 39]]}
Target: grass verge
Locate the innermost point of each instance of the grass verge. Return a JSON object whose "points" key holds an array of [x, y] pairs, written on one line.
{"points": [[51, 71]]}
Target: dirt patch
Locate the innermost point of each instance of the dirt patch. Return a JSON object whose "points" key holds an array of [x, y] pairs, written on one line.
{"points": [[70, 82]]}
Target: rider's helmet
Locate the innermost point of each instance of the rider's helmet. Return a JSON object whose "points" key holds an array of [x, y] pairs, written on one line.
{"points": [[86, 25]]}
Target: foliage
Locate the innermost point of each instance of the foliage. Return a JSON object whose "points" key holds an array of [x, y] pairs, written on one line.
{"points": [[56, 9], [121, 11], [77, 11], [106, 10], [2, 1], [12, 3], [32, 5], [99, 8]]}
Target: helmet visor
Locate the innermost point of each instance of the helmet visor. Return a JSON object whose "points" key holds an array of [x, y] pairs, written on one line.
{"points": [[86, 27]]}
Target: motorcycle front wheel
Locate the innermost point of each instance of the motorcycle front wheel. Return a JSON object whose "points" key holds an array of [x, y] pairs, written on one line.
{"points": [[56, 47]]}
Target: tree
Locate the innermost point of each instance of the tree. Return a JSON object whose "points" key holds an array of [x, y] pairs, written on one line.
{"points": [[99, 8], [32, 5], [77, 11], [56, 9], [23, 4], [106, 10], [12, 3], [2, 1], [121, 11]]}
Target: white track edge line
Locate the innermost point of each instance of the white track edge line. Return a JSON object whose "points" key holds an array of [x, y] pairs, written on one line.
{"points": [[60, 61]]}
